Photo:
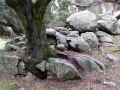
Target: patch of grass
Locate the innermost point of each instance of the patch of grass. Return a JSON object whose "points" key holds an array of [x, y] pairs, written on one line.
{"points": [[6, 84]]}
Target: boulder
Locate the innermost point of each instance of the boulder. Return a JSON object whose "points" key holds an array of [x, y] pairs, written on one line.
{"points": [[89, 64], [22, 68], [79, 44], [51, 32], [42, 66], [62, 30], [61, 39], [62, 69], [106, 39], [60, 47], [61, 54], [91, 39], [73, 34], [107, 17], [8, 65], [109, 27], [11, 47], [83, 21]]}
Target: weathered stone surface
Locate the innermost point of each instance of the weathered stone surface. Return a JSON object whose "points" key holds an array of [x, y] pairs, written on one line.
{"points": [[108, 44], [102, 34], [79, 44], [8, 65], [60, 47], [61, 54], [108, 26], [107, 17], [91, 39], [21, 68], [89, 64], [83, 21], [106, 39], [50, 31], [112, 57], [11, 47], [42, 65], [62, 30], [61, 39], [62, 69], [73, 34]]}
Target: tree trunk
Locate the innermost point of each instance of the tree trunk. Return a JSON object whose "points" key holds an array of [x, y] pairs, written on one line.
{"points": [[32, 16]]}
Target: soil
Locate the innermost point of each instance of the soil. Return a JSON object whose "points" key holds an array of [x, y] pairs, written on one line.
{"points": [[90, 81]]}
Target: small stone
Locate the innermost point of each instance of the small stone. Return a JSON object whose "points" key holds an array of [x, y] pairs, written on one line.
{"points": [[111, 84], [112, 57], [60, 47]]}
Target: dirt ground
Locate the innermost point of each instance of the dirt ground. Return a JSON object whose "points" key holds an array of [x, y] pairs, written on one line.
{"points": [[90, 81]]}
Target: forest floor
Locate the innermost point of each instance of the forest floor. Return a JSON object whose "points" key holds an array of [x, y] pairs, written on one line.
{"points": [[90, 81]]}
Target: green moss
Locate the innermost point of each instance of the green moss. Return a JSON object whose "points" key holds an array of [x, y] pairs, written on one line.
{"points": [[48, 52]]}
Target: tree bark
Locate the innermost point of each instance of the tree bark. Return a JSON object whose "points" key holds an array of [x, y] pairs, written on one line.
{"points": [[32, 16]]}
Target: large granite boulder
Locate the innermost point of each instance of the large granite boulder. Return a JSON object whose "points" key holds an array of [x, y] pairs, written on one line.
{"points": [[91, 39], [108, 24], [83, 21], [89, 64], [109, 27], [79, 44], [62, 69], [8, 65]]}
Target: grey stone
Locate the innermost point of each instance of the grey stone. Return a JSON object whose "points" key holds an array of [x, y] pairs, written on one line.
{"points": [[91, 39], [111, 84], [79, 44], [21, 68], [107, 17], [11, 47], [89, 64], [20, 44], [112, 57], [8, 65], [61, 54], [62, 30], [73, 34], [101, 49], [51, 32], [102, 34], [83, 21], [61, 39], [42, 65], [60, 47], [62, 69], [108, 44], [108, 26], [106, 39]]}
